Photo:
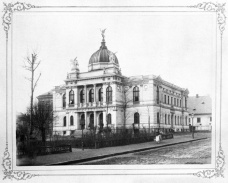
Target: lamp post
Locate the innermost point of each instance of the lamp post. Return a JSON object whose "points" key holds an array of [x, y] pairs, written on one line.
{"points": [[192, 126], [82, 127]]}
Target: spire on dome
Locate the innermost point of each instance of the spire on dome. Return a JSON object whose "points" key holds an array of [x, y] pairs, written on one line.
{"points": [[103, 36]]}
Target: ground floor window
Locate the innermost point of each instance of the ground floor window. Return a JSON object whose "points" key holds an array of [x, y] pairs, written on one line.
{"points": [[109, 121], [136, 118]]}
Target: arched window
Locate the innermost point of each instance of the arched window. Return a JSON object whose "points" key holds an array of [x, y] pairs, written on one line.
{"points": [[71, 97], [109, 119], [91, 95], [165, 119], [64, 100], [82, 96], [157, 95], [136, 94], [64, 121], [109, 94], [71, 120], [136, 118], [100, 95]]}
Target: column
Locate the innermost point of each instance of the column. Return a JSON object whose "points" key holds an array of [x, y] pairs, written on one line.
{"points": [[95, 118], [95, 94], [76, 97], [85, 88], [86, 125], [104, 119]]}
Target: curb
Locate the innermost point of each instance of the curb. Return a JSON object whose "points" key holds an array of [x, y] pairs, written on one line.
{"points": [[120, 153]]}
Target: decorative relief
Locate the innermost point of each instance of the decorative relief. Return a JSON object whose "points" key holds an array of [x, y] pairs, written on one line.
{"points": [[9, 173], [9, 9], [219, 169], [219, 8]]}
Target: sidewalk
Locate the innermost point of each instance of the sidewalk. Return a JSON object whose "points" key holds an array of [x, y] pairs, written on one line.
{"points": [[78, 155]]}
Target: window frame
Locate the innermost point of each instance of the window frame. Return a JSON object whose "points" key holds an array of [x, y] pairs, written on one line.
{"points": [[109, 94], [91, 95], [82, 96], [136, 94], [71, 95], [71, 120]]}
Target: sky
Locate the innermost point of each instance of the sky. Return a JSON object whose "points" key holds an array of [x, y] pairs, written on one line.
{"points": [[180, 47]]}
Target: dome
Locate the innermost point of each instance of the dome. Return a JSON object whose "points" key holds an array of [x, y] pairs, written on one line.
{"points": [[103, 55]]}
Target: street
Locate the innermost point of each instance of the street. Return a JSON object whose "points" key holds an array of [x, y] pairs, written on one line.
{"points": [[198, 152]]}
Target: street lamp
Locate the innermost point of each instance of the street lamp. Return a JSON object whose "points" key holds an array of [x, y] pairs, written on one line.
{"points": [[82, 123], [192, 126]]}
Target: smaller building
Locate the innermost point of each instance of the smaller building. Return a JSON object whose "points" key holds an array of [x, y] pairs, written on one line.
{"points": [[201, 108]]}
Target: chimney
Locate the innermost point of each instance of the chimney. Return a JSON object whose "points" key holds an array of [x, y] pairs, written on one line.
{"points": [[197, 96]]}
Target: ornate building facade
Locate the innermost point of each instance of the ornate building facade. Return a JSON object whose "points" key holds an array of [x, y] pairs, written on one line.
{"points": [[103, 96]]}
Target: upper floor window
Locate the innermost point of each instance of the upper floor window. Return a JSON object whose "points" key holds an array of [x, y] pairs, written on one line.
{"points": [[158, 119], [175, 120], [82, 96], [64, 100], [71, 120], [109, 119], [91, 95], [165, 99], [100, 95], [210, 118], [157, 95], [64, 121], [136, 118], [71, 97], [165, 119], [186, 120], [136, 94], [198, 120], [109, 94]]}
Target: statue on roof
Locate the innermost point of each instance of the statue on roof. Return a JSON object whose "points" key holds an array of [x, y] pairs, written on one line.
{"points": [[102, 33], [75, 65]]}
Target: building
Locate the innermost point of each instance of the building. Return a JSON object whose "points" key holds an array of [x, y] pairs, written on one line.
{"points": [[104, 97], [201, 108]]}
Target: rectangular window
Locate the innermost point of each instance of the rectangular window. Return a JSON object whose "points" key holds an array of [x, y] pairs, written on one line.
{"points": [[158, 117], [198, 120], [64, 132], [210, 118], [168, 99], [177, 102]]}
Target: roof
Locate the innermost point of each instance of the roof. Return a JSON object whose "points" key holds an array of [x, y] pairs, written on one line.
{"points": [[201, 104]]}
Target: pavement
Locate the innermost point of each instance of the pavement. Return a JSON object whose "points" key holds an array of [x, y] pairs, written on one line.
{"points": [[80, 156]]}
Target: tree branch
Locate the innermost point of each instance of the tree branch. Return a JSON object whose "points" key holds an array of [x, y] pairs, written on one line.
{"points": [[36, 82]]}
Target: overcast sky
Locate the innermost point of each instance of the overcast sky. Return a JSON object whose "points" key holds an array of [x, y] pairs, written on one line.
{"points": [[180, 47]]}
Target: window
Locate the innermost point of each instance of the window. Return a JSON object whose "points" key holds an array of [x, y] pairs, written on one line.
{"points": [[64, 100], [210, 118], [189, 120], [175, 122], [100, 95], [186, 120], [71, 120], [165, 119], [174, 101], [64, 121], [168, 99], [171, 100], [91, 95], [198, 120], [71, 97], [109, 119], [64, 132], [157, 95], [82, 96], [158, 120], [136, 94], [165, 99], [136, 118], [109, 94], [168, 119]]}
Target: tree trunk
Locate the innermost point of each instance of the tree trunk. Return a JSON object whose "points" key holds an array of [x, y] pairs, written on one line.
{"points": [[31, 104]]}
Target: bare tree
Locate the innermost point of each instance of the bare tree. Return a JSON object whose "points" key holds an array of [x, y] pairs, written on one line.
{"points": [[126, 100], [31, 64]]}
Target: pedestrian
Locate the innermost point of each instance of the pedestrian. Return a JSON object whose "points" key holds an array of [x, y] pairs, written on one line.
{"points": [[158, 138]]}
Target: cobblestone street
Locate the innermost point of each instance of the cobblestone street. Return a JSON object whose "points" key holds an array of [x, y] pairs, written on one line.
{"points": [[198, 152]]}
